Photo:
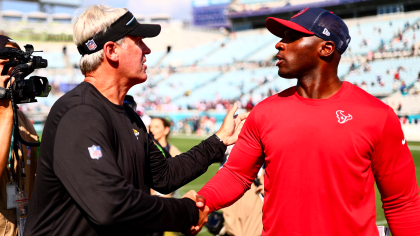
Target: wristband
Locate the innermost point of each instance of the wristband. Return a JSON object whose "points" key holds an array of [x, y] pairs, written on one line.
{"points": [[219, 138]]}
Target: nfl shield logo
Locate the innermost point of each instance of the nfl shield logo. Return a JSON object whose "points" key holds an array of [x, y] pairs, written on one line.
{"points": [[91, 45], [95, 152], [28, 151]]}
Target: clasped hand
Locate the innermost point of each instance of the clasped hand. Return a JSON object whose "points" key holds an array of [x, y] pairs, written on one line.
{"points": [[202, 209], [4, 79]]}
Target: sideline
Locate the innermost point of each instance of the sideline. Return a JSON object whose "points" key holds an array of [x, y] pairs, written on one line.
{"points": [[415, 148], [191, 136], [194, 136], [382, 222]]}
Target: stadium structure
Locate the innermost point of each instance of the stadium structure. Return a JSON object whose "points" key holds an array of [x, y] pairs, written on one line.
{"points": [[196, 70], [49, 5]]}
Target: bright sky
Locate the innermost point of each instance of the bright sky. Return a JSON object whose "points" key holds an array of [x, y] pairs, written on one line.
{"points": [[179, 9]]}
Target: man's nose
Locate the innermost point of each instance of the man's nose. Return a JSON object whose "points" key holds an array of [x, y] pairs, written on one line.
{"points": [[146, 49], [280, 45]]}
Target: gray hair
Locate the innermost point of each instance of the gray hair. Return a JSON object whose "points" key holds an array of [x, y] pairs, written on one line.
{"points": [[94, 19]]}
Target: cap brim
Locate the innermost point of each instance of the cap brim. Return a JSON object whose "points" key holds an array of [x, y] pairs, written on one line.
{"points": [[278, 26], [146, 30]]}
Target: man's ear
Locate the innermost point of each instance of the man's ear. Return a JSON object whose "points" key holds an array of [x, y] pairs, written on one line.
{"points": [[166, 131], [327, 48], [111, 51]]}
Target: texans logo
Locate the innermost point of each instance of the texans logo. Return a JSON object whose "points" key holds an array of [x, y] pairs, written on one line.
{"points": [[343, 118]]}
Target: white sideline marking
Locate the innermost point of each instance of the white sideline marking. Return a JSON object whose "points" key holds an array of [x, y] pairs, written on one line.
{"points": [[382, 222], [417, 148], [183, 136]]}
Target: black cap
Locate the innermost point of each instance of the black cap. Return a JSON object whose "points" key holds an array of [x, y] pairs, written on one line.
{"points": [[314, 21], [4, 40], [125, 25]]}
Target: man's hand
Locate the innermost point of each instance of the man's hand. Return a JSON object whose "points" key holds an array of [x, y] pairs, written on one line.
{"points": [[260, 189], [231, 126], [3, 79], [5, 105], [203, 212]]}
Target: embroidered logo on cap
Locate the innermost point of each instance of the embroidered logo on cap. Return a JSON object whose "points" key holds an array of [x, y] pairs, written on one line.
{"points": [[11, 40], [91, 45], [130, 21], [326, 32], [343, 118], [95, 152], [300, 13]]}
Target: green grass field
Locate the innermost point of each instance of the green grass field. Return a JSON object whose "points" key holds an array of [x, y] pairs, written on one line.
{"points": [[184, 143]]}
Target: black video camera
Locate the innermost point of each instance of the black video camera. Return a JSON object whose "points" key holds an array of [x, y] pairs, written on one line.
{"points": [[23, 63]]}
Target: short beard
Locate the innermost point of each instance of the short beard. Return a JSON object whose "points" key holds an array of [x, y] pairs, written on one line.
{"points": [[288, 75]]}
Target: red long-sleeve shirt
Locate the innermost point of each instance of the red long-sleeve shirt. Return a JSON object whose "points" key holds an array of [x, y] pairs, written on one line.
{"points": [[322, 159]]}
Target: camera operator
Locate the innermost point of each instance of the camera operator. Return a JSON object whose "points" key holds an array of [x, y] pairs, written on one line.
{"points": [[21, 175]]}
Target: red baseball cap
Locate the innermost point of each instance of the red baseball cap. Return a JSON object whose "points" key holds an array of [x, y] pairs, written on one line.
{"points": [[314, 21]]}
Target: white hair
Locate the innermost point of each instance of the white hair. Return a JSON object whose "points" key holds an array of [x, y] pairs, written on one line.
{"points": [[94, 19]]}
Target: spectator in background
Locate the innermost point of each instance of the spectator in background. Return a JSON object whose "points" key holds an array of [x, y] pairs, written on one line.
{"points": [[403, 88], [364, 85], [370, 56], [417, 86], [160, 129], [366, 67], [399, 108], [249, 105], [413, 50], [397, 75], [380, 81], [353, 66]]}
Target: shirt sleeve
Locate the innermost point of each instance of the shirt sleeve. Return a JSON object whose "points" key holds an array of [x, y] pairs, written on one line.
{"points": [[169, 174], [394, 171], [97, 185], [237, 175]]}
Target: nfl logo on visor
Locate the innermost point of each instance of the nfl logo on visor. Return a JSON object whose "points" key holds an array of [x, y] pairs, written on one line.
{"points": [[91, 45], [95, 152]]}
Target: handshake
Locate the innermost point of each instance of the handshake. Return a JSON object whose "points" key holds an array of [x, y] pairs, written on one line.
{"points": [[204, 210]]}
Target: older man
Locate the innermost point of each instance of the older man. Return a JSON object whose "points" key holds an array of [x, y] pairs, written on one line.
{"points": [[324, 142], [97, 162]]}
